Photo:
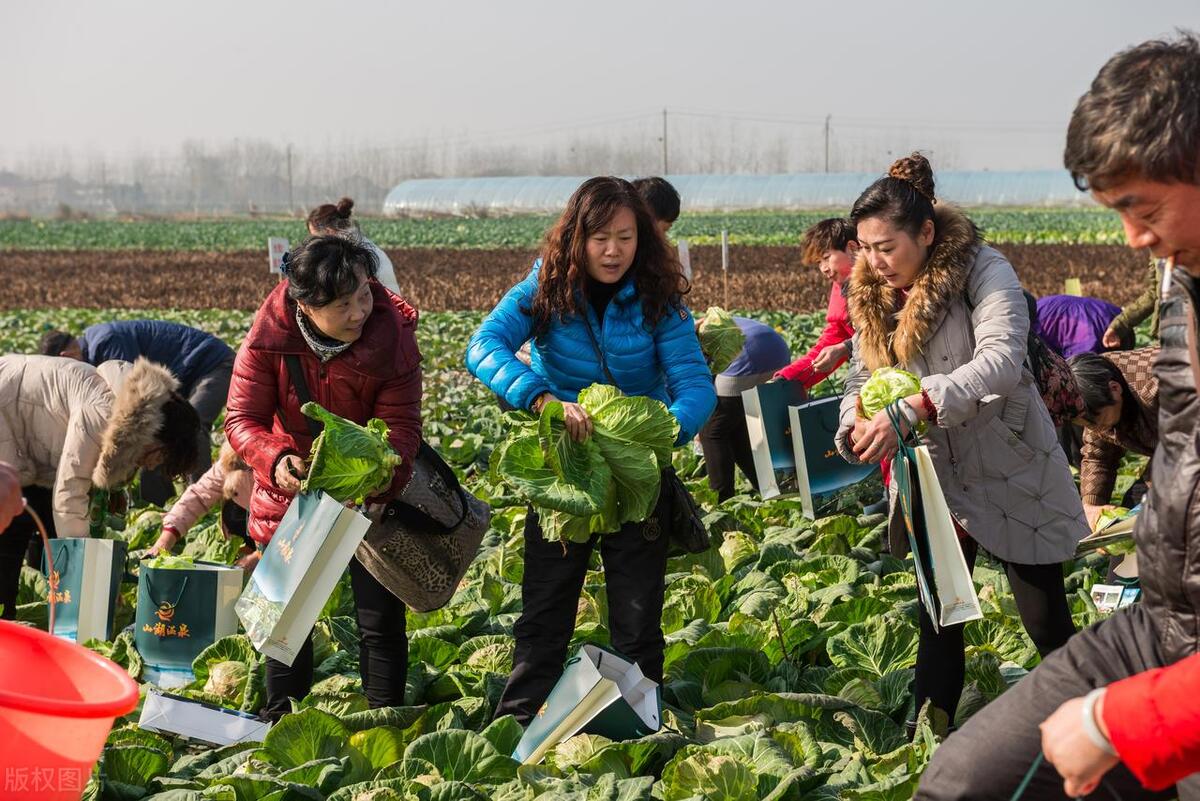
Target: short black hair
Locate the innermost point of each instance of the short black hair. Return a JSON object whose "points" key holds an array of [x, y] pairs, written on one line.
{"points": [[1140, 117], [834, 233], [1092, 373], [322, 269], [54, 342], [180, 436], [660, 196]]}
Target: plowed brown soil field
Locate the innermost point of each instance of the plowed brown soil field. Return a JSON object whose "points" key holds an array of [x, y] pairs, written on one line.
{"points": [[435, 280]]}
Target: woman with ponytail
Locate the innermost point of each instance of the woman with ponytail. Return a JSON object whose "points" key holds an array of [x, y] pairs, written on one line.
{"points": [[333, 219], [928, 296]]}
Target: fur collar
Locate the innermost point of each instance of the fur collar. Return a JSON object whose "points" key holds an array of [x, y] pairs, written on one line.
{"points": [[137, 416], [887, 338]]}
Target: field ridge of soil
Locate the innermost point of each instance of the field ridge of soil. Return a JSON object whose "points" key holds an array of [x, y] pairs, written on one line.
{"points": [[439, 280]]}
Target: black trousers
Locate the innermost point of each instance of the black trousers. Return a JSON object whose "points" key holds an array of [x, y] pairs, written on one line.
{"points": [[726, 443], [987, 757], [941, 657], [382, 651], [21, 540], [634, 575]]}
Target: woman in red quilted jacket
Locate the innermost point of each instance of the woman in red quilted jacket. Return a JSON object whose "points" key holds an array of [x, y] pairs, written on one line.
{"points": [[356, 344]]}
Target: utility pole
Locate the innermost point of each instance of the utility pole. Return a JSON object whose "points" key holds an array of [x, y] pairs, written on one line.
{"points": [[828, 117], [664, 141], [291, 199]]}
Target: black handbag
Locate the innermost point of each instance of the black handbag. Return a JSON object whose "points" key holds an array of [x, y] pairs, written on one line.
{"points": [[676, 509]]}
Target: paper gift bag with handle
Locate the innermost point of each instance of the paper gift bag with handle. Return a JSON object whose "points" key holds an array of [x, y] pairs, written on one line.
{"points": [[769, 428], [943, 578], [306, 557], [86, 581], [599, 693], [180, 612], [820, 469]]}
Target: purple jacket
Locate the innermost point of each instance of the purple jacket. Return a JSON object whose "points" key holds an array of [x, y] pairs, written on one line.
{"points": [[1071, 325]]}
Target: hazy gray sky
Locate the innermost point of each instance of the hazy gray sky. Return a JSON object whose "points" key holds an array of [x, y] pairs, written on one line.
{"points": [[119, 77]]}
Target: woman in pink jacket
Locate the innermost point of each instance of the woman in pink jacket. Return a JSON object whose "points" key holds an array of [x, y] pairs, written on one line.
{"points": [[229, 479]]}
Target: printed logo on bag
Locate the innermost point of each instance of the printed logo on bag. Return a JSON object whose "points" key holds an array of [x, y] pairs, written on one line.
{"points": [[287, 547], [59, 597], [829, 454], [165, 627], [651, 529]]}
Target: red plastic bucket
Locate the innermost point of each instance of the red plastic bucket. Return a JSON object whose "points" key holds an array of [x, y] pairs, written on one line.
{"points": [[58, 701]]}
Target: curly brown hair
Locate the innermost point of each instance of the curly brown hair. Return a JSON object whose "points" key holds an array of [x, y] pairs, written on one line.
{"points": [[561, 283]]}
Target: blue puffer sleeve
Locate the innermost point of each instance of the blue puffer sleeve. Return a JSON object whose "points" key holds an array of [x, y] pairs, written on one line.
{"points": [[491, 353], [689, 381]]}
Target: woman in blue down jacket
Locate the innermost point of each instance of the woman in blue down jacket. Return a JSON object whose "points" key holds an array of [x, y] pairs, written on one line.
{"points": [[604, 266]]}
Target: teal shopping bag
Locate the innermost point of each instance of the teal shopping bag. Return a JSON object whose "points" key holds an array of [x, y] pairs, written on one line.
{"points": [[820, 469], [600, 693], [180, 612], [85, 582], [769, 429]]}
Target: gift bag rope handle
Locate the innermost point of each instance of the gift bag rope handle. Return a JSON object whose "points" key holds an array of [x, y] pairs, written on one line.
{"points": [[37, 521], [151, 592], [898, 423], [1033, 769]]}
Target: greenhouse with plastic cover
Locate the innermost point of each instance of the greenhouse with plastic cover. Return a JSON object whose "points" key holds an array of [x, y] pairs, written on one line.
{"points": [[499, 196]]}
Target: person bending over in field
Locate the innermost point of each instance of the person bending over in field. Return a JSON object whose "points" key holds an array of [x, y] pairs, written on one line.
{"points": [[831, 246], [1144, 306], [202, 363], [927, 296], [1109, 714], [69, 428], [605, 298], [333, 219], [1071, 325], [332, 332], [1120, 399], [229, 482]]}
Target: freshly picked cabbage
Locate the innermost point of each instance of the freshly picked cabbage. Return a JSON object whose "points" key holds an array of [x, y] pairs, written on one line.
{"points": [[611, 478], [349, 462], [720, 338], [165, 561], [885, 386]]}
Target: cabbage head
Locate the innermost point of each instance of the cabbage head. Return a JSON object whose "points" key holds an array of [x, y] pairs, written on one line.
{"points": [[349, 462], [721, 339], [885, 386]]}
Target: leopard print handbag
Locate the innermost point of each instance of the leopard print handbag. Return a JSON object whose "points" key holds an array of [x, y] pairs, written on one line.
{"points": [[422, 543]]}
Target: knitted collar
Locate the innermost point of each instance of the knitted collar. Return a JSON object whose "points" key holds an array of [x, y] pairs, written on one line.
{"points": [[324, 347]]}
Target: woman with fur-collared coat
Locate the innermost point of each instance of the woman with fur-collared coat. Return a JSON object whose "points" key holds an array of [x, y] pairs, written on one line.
{"points": [[68, 427], [927, 295]]}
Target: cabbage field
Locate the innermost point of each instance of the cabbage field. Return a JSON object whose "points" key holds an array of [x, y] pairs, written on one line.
{"points": [[1094, 226], [790, 649]]}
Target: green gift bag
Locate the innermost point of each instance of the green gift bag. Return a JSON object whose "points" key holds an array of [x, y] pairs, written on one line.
{"points": [[599, 693], [820, 469], [180, 612], [85, 581]]}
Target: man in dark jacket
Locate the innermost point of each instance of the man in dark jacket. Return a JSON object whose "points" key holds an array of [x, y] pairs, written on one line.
{"points": [[202, 363], [1119, 148]]}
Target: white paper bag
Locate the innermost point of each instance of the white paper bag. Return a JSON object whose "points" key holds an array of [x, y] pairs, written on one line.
{"points": [[297, 573]]}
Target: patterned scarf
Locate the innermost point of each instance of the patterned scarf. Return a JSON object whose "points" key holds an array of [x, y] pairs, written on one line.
{"points": [[324, 347]]}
